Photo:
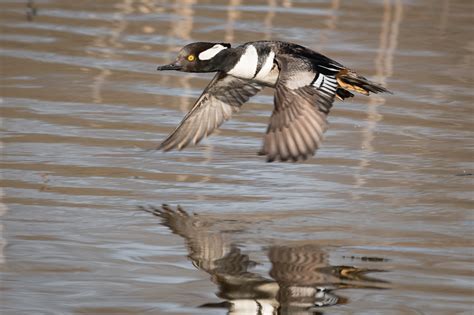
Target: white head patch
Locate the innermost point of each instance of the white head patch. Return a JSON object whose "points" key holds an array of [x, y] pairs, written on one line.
{"points": [[211, 52]]}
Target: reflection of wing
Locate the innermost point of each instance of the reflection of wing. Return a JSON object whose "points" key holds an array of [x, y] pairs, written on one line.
{"points": [[209, 250], [298, 120], [298, 271], [306, 279], [298, 265], [223, 96]]}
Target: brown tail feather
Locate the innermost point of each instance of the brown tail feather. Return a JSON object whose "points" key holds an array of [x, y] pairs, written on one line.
{"points": [[351, 81]]}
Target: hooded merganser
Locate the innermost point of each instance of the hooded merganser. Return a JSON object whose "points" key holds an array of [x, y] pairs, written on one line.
{"points": [[305, 81]]}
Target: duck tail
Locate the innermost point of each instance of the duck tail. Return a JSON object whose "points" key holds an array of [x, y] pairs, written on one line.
{"points": [[351, 81]]}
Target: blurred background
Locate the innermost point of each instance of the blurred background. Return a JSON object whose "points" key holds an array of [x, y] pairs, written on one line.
{"points": [[379, 222]]}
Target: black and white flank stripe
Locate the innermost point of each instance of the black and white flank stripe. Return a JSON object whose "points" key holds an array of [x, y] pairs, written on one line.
{"points": [[327, 86]]}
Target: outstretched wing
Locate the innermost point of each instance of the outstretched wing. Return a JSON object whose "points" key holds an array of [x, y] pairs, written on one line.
{"points": [[223, 96], [209, 250], [302, 101]]}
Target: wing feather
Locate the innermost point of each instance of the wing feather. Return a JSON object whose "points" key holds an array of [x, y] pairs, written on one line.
{"points": [[223, 96], [298, 120]]}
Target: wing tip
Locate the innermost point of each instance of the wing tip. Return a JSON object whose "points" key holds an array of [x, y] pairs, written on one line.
{"points": [[169, 145], [164, 146]]}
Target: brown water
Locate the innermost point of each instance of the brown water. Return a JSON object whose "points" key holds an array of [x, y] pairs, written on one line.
{"points": [[380, 222]]}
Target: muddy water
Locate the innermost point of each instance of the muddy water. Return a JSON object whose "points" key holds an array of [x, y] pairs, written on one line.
{"points": [[380, 222]]}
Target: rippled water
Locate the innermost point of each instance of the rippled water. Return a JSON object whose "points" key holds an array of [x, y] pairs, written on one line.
{"points": [[379, 222]]}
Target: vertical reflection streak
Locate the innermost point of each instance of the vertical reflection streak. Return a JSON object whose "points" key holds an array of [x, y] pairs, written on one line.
{"points": [[232, 16], [268, 22], [108, 43], [3, 205], [3, 211], [287, 3], [388, 41], [181, 28], [331, 23], [444, 17]]}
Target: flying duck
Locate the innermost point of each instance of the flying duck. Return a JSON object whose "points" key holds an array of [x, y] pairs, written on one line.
{"points": [[305, 83]]}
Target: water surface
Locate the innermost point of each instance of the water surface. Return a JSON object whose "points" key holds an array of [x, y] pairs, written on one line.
{"points": [[379, 222]]}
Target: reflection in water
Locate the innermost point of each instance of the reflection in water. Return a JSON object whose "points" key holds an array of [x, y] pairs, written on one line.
{"points": [[31, 10], [3, 211], [268, 21], [232, 16], [181, 28], [106, 45], [301, 277], [331, 23], [444, 17], [388, 41]]}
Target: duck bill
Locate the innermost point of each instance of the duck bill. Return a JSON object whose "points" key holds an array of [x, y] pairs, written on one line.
{"points": [[171, 66]]}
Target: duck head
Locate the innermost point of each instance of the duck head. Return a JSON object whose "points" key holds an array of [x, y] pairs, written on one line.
{"points": [[198, 57]]}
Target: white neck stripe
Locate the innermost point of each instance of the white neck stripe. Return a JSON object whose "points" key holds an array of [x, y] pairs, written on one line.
{"points": [[211, 52], [247, 64], [267, 67]]}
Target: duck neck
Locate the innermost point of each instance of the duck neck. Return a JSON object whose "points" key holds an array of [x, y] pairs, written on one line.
{"points": [[226, 59]]}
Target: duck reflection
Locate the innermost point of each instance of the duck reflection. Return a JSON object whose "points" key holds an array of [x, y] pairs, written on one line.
{"points": [[302, 280]]}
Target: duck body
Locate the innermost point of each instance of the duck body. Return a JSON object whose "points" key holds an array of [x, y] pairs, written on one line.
{"points": [[257, 61], [305, 82]]}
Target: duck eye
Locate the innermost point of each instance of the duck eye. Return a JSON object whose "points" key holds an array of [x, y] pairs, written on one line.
{"points": [[191, 58]]}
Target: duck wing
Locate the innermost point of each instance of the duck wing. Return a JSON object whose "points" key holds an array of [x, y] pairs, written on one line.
{"points": [[223, 96], [302, 100]]}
